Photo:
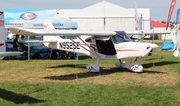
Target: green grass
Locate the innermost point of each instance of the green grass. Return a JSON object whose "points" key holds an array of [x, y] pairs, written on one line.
{"points": [[87, 94], [67, 83]]}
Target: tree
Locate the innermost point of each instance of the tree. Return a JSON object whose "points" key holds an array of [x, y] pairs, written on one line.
{"points": [[163, 22]]}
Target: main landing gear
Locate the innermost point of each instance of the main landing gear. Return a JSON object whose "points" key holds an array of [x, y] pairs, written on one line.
{"points": [[94, 67], [135, 66]]}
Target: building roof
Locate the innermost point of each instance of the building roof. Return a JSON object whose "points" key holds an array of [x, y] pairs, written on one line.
{"points": [[156, 24], [103, 9]]}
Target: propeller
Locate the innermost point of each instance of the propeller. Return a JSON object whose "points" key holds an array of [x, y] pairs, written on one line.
{"points": [[148, 50], [154, 46]]}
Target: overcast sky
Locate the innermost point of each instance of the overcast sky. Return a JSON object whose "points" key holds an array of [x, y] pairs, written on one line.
{"points": [[158, 8]]}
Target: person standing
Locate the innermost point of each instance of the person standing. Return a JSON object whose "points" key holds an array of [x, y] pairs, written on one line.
{"points": [[15, 43]]}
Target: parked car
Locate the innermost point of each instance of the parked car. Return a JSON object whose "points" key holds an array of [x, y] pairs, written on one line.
{"points": [[37, 51]]}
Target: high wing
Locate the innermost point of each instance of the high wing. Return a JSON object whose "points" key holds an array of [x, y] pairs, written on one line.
{"points": [[49, 32], [144, 33], [147, 32]]}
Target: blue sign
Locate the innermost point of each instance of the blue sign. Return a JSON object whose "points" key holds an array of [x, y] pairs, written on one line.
{"points": [[35, 19]]}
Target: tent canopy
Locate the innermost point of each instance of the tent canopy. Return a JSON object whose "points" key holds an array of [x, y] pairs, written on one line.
{"points": [[104, 10], [157, 24]]}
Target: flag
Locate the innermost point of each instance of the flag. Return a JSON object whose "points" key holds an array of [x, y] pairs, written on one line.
{"points": [[170, 12], [136, 17]]}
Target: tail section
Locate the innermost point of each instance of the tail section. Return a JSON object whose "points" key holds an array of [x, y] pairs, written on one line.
{"points": [[62, 44], [49, 26]]}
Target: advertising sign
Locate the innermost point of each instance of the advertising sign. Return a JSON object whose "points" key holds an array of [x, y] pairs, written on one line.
{"points": [[35, 18]]}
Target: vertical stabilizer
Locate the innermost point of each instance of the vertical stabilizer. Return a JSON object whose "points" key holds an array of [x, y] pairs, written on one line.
{"points": [[49, 26], [2, 33]]}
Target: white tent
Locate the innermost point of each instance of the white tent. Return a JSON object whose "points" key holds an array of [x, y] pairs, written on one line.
{"points": [[105, 16]]}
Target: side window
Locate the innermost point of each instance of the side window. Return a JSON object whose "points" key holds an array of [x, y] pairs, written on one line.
{"points": [[118, 39]]}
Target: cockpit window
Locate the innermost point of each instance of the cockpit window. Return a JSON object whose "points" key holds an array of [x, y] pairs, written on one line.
{"points": [[118, 39], [121, 36]]}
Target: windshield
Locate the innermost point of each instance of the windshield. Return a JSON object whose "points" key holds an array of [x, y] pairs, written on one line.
{"points": [[121, 36]]}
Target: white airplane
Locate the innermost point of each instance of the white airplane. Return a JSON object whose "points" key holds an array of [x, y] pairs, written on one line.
{"points": [[98, 44], [3, 38]]}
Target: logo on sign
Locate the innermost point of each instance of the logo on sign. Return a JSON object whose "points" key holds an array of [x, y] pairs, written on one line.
{"points": [[1, 23], [28, 16]]}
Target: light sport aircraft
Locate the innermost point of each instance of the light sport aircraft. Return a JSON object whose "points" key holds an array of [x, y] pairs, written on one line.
{"points": [[98, 44], [3, 38]]}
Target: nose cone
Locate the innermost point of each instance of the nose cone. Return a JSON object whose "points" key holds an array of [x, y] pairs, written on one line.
{"points": [[154, 46]]}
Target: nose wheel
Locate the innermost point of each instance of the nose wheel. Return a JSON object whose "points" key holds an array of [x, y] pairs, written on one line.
{"points": [[135, 66]]}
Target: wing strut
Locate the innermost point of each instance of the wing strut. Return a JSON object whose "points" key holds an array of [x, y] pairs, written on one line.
{"points": [[89, 47]]}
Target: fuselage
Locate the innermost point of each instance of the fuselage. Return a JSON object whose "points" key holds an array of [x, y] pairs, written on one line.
{"points": [[113, 47]]}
